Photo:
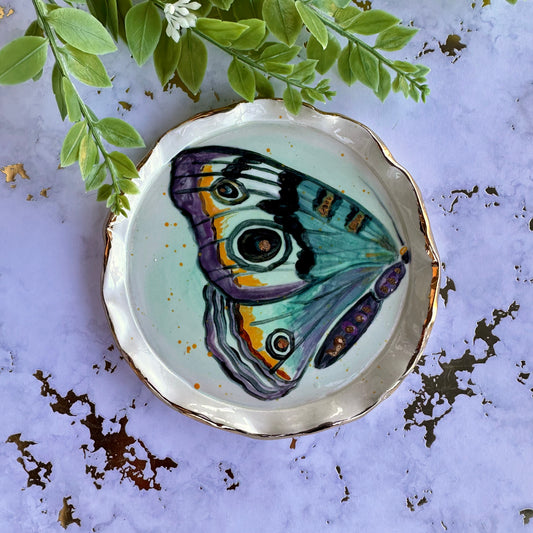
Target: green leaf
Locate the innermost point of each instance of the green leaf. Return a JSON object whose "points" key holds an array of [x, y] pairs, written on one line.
{"points": [[425, 93], [242, 79], [166, 56], [87, 68], [71, 101], [310, 95], [394, 38], [413, 92], [313, 23], [346, 16], [123, 7], [22, 59], [71, 144], [326, 58], [366, 67], [98, 9], [81, 30], [57, 88], [143, 28], [341, 3], [113, 202], [404, 66], [252, 37], [88, 156], [192, 62], [278, 52], [384, 86], [34, 30], [127, 186], [371, 22], [112, 18], [222, 4], [292, 100], [119, 133], [247, 9], [307, 96], [344, 64], [304, 70], [104, 192], [279, 68], [123, 165], [283, 20], [221, 31], [96, 177], [396, 83], [263, 86], [123, 201], [404, 86], [38, 76], [422, 70]]}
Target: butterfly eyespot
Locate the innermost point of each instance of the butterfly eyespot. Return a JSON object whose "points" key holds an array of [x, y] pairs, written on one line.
{"points": [[229, 191], [259, 244], [280, 344], [259, 247], [384, 289], [359, 317], [366, 309], [349, 329]]}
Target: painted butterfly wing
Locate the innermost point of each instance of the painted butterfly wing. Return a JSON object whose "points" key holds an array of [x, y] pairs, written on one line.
{"points": [[286, 257]]}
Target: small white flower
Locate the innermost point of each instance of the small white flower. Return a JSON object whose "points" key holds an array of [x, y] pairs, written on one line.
{"points": [[179, 16]]}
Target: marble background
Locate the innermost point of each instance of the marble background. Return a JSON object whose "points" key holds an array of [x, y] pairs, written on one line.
{"points": [[85, 446]]}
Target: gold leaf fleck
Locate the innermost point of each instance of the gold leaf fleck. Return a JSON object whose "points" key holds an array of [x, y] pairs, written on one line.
{"points": [[65, 517], [44, 192], [176, 81], [29, 198], [150, 94], [11, 172], [4, 14], [125, 105]]}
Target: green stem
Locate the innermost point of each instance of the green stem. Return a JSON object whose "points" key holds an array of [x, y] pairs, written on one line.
{"points": [[39, 9], [250, 62], [334, 26]]}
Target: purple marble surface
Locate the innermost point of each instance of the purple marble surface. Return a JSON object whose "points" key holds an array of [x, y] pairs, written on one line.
{"points": [[85, 446]]}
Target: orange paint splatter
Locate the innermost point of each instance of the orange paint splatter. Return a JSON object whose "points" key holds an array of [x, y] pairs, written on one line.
{"points": [[342, 155], [194, 346], [197, 386], [181, 264], [179, 342], [188, 349], [210, 354], [268, 150], [164, 194], [185, 246], [166, 245], [175, 224], [167, 224]]}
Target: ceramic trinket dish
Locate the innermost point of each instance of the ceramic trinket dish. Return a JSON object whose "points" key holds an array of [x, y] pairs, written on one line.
{"points": [[276, 275]]}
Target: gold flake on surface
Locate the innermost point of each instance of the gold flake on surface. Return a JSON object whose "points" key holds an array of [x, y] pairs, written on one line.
{"points": [[11, 171], [44, 192], [29, 198], [125, 105], [3, 13], [177, 82], [65, 517]]}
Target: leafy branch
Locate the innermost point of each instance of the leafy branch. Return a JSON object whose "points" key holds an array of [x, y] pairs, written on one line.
{"points": [[260, 36]]}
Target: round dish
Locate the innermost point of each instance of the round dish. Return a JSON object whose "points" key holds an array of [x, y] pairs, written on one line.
{"points": [[276, 275]]}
